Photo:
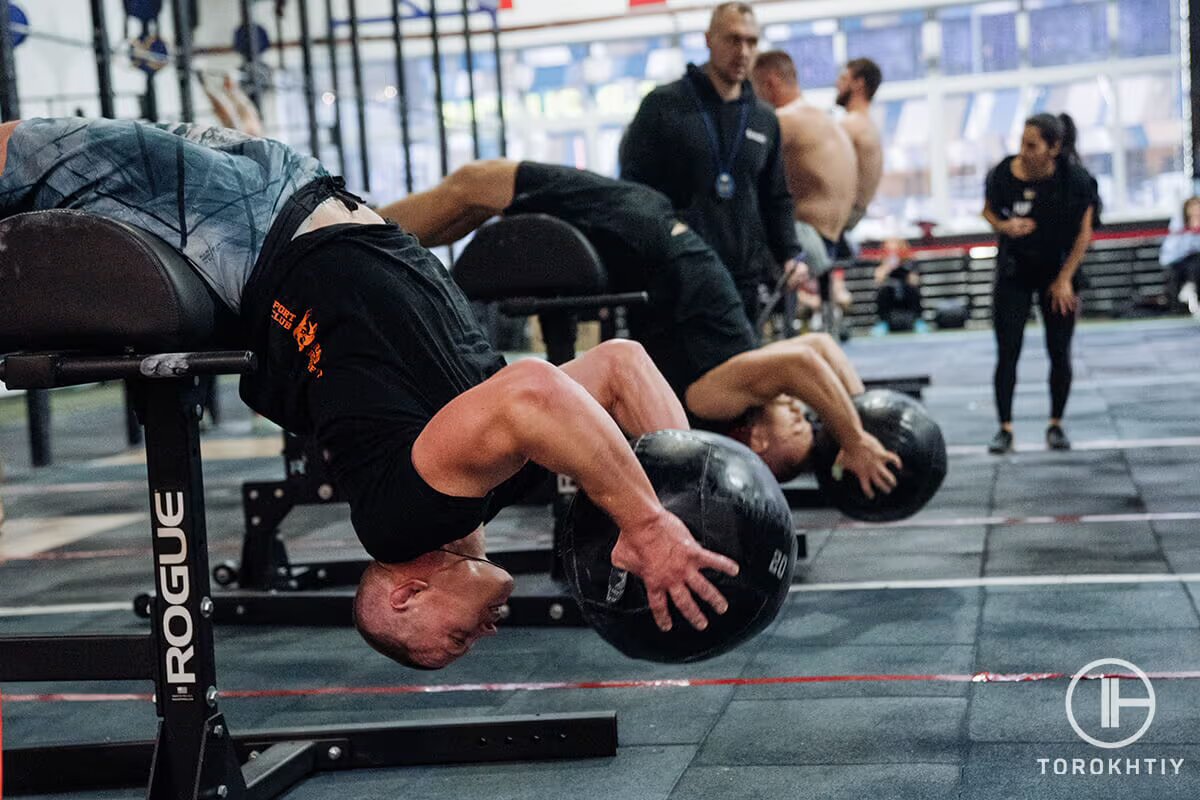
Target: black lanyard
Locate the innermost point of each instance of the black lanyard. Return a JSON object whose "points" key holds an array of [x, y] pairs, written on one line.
{"points": [[725, 186]]}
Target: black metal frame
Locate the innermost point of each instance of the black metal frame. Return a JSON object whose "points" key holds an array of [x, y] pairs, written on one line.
{"points": [[194, 755], [251, 54], [310, 92], [181, 16], [360, 104], [103, 59], [469, 52], [503, 134], [397, 19], [402, 94], [10, 101], [334, 82], [439, 92]]}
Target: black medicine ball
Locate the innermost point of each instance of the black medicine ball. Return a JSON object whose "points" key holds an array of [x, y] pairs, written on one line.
{"points": [[732, 504], [952, 314], [903, 426]]}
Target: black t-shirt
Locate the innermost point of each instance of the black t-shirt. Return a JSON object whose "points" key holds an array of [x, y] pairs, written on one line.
{"points": [[1056, 204], [382, 333], [362, 338], [695, 320]]}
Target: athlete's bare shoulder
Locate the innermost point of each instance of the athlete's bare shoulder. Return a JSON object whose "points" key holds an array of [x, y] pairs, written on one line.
{"points": [[860, 126], [805, 121]]}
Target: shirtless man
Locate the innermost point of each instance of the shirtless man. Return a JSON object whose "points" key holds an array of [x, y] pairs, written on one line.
{"points": [[818, 158], [856, 86]]}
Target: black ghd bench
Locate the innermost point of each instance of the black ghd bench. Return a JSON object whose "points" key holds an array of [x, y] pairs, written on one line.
{"points": [[87, 299]]}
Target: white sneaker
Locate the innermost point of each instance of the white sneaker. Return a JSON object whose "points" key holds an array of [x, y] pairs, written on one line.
{"points": [[1188, 295]]}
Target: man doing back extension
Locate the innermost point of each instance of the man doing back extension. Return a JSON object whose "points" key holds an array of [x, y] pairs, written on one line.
{"points": [[364, 340], [695, 327]]}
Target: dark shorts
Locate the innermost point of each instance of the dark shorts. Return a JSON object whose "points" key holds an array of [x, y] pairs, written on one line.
{"points": [[695, 320]]}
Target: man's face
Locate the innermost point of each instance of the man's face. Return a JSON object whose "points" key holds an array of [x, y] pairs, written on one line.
{"points": [[845, 87], [461, 605], [788, 433], [732, 45]]}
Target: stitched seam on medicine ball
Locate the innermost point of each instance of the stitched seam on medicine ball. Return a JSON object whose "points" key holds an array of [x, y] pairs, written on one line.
{"points": [[704, 497]]}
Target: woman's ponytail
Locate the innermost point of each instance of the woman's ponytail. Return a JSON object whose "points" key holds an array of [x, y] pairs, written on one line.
{"points": [[1068, 154]]}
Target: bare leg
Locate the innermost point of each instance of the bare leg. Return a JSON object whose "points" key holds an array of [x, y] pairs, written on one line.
{"points": [[249, 121], [466, 199], [623, 379], [222, 106], [833, 355]]}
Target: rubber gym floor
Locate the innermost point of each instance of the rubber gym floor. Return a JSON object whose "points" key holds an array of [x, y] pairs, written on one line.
{"points": [[928, 659]]}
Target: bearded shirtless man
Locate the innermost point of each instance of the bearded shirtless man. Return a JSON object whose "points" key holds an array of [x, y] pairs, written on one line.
{"points": [[856, 86]]}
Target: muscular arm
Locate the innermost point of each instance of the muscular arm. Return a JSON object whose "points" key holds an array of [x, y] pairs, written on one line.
{"points": [[797, 368], [620, 376], [533, 411], [790, 367], [467, 198], [835, 357]]}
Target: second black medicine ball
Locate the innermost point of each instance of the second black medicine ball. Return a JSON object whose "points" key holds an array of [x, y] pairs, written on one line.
{"points": [[904, 427]]}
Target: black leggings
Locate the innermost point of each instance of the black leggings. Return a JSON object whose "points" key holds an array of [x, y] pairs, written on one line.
{"points": [[1185, 270], [1011, 301]]}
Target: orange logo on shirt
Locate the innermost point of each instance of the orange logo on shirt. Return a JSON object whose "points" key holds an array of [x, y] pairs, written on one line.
{"points": [[306, 332], [314, 358], [281, 315]]}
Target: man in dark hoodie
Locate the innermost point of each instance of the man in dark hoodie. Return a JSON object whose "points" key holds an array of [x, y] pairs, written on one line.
{"points": [[708, 144]]}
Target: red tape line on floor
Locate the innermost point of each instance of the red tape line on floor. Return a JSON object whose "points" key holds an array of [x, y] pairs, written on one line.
{"points": [[659, 683], [1057, 519]]}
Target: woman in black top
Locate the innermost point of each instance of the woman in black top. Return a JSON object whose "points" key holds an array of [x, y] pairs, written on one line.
{"points": [[1041, 203]]}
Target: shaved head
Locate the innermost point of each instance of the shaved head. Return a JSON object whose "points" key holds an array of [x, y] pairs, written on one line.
{"points": [[725, 9]]}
